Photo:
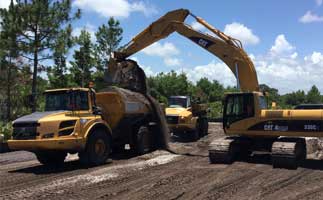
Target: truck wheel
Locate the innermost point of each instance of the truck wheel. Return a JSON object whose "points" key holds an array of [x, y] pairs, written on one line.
{"points": [[202, 126], [143, 141], [195, 134], [51, 158], [97, 150], [206, 126]]}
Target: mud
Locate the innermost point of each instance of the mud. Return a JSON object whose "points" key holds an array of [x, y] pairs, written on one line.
{"points": [[160, 175]]}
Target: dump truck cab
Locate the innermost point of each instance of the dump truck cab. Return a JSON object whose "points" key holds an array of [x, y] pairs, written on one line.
{"points": [[183, 117], [60, 126], [69, 117]]}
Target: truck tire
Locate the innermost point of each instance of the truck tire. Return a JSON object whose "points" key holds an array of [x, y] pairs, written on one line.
{"points": [[195, 134], [202, 126], [143, 141], [97, 149], [51, 158]]}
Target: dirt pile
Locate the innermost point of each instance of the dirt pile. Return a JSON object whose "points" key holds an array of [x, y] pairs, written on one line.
{"points": [[315, 147]]}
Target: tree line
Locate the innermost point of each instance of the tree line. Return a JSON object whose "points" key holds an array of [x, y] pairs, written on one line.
{"points": [[164, 85], [39, 51]]}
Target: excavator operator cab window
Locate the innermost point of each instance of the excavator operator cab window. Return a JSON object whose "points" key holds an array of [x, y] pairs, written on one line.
{"points": [[262, 102], [238, 107]]}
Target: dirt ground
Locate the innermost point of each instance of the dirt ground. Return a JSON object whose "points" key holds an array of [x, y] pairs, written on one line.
{"points": [[160, 175]]}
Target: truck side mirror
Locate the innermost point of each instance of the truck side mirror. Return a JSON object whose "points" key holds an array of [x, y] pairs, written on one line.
{"points": [[273, 105]]}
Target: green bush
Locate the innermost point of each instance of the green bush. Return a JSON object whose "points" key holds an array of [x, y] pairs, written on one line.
{"points": [[215, 109], [6, 130]]}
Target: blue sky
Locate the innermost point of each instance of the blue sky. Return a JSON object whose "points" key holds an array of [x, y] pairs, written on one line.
{"points": [[283, 38]]}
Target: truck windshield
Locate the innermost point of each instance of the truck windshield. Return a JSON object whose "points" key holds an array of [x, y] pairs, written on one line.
{"points": [[175, 102], [66, 100]]}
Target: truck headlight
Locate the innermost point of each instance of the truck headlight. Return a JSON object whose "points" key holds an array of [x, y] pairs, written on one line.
{"points": [[182, 119]]}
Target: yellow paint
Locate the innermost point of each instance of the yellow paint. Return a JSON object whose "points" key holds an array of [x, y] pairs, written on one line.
{"points": [[116, 104], [241, 127], [187, 121]]}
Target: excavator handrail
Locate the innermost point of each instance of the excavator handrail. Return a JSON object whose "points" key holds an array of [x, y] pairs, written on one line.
{"points": [[226, 48]]}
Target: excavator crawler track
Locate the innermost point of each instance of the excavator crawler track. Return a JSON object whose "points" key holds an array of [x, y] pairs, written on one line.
{"points": [[222, 151], [227, 150], [288, 152]]}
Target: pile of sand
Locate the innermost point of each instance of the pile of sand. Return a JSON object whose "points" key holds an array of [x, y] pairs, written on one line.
{"points": [[314, 147]]}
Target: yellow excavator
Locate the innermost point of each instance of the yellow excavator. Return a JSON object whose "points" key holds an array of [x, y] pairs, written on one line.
{"points": [[247, 122], [183, 117]]}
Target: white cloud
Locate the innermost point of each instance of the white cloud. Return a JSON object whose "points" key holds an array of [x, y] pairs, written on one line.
{"points": [[281, 68], [88, 27], [167, 51], [197, 26], [315, 58], [144, 8], [319, 2], [310, 17], [284, 73], [115, 8], [163, 50], [4, 3], [212, 71], [289, 74], [172, 61], [294, 55], [282, 46], [242, 33], [147, 69]]}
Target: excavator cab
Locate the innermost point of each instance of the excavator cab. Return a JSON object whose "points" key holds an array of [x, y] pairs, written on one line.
{"points": [[238, 106]]}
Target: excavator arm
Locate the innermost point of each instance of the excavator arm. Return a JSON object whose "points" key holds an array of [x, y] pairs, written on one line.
{"points": [[226, 48]]}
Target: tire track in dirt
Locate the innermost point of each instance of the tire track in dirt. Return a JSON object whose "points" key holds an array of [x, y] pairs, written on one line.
{"points": [[59, 185]]}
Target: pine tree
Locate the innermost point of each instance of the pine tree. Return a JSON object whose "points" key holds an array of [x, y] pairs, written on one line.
{"points": [[8, 52], [313, 96], [108, 38], [41, 22], [83, 60], [57, 74]]}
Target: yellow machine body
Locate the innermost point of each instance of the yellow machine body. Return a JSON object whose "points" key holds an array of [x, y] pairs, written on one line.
{"points": [[270, 123], [184, 117], [180, 119], [45, 130]]}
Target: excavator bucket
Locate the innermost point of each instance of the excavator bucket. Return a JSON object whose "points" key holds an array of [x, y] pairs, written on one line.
{"points": [[127, 74]]}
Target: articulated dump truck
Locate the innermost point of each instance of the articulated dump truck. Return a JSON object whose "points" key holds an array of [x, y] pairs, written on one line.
{"points": [[186, 118], [94, 125]]}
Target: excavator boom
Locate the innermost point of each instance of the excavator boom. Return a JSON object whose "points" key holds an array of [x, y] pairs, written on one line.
{"points": [[226, 48]]}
